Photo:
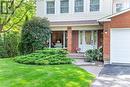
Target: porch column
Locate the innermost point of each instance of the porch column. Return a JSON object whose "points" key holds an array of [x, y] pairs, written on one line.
{"points": [[69, 37], [50, 41], [106, 42], [64, 39]]}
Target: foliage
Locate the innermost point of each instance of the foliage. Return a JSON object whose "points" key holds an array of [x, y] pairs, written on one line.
{"points": [[9, 44], [21, 75], [35, 34], [16, 12], [2, 50], [94, 55], [10, 25], [45, 57], [53, 51]]}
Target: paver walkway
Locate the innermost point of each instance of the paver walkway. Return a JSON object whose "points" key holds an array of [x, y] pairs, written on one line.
{"points": [[94, 68], [113, 76]]}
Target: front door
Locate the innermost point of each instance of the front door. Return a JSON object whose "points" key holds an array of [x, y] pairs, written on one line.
{"points": [[87, 40]]}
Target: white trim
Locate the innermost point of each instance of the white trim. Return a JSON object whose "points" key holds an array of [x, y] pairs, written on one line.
{"points": [[73, 25], [120, 28], [50, 42], [64, 39], [84, 46], [108, 18]]}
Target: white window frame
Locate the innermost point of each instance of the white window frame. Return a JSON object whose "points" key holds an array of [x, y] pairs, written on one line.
{"points": [[95, 4], [79, 6], [118, 9], [64, 7], [47, 12]]}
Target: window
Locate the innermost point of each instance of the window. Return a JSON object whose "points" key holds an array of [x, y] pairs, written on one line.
{"points": [[94, 5], [119, 7], [50, 7], [79, 5], [64, 6]]}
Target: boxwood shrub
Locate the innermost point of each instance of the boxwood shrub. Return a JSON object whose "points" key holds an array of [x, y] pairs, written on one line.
{"points": [[45, 57]]}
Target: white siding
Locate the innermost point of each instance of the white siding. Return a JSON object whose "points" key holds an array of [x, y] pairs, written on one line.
{"points": [[105, 9]]}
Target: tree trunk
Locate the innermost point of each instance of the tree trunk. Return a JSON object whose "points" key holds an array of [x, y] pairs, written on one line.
{"points": [[1, 27]]}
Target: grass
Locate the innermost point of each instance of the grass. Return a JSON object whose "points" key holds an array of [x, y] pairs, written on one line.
{"points": [[19, 75]]}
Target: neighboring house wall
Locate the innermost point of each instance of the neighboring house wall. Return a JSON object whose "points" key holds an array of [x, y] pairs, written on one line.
{"points": [[105, 9], [120, 5], [120, 21]]}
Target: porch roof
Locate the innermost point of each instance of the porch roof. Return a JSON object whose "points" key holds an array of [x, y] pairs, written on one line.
{"points": [[81, 22]]}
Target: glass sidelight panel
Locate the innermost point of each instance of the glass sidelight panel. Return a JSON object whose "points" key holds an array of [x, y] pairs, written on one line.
{"points": [[95, 38], [81, 37], [88, 38]]}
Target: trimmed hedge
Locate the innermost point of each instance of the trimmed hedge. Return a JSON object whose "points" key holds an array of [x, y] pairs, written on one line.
{"points": [[45, 57]]}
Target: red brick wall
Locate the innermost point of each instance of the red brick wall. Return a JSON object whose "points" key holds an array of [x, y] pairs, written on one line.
{"points": [[121, 21], [74, 40], [106, 41]]}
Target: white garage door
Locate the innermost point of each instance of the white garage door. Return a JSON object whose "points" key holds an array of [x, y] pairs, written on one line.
{"points": [[120, 46]]}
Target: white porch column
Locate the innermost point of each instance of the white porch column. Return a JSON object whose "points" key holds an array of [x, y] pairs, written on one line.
{"points": [[50, 41], [92, 40], [64, 39]]}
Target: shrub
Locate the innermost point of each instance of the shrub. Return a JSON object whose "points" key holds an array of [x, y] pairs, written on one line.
{"points": [[45, 57], [9, 42], [94, 55], [35, 34]]}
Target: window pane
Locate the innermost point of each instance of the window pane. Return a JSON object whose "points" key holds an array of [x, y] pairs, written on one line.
{"points": [[50, 7], [95, 37], [119, 7], [81, 37], [88, 37], [79, 5], [94, 5], [64, 6]]}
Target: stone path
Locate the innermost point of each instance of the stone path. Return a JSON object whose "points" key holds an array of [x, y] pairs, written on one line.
{"points": [[94, 68]]}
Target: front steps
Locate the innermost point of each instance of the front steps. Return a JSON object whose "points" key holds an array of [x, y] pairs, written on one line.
{"points": [[79, 60]]}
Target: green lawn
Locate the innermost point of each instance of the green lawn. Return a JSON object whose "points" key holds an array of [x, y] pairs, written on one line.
{"points": [[19, 75]]}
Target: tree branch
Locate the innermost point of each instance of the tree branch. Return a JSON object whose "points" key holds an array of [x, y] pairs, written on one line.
{"points": [[15, 23], [9, 18]]}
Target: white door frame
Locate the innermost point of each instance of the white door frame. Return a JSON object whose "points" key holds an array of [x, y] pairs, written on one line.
{"points": [[84, 46]]}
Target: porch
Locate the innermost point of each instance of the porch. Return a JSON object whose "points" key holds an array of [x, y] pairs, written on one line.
{"points": [[76, 40]]}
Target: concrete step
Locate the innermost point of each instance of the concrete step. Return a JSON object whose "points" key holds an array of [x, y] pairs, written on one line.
{"points": [[79, 60], [73, 55], [84, 64]]}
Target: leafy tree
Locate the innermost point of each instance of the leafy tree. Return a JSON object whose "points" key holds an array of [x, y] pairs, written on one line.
{"points": [[35, 34], [14, 12]]}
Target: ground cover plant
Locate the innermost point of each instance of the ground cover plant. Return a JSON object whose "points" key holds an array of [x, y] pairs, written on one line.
{"points": [[45, 57]]}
